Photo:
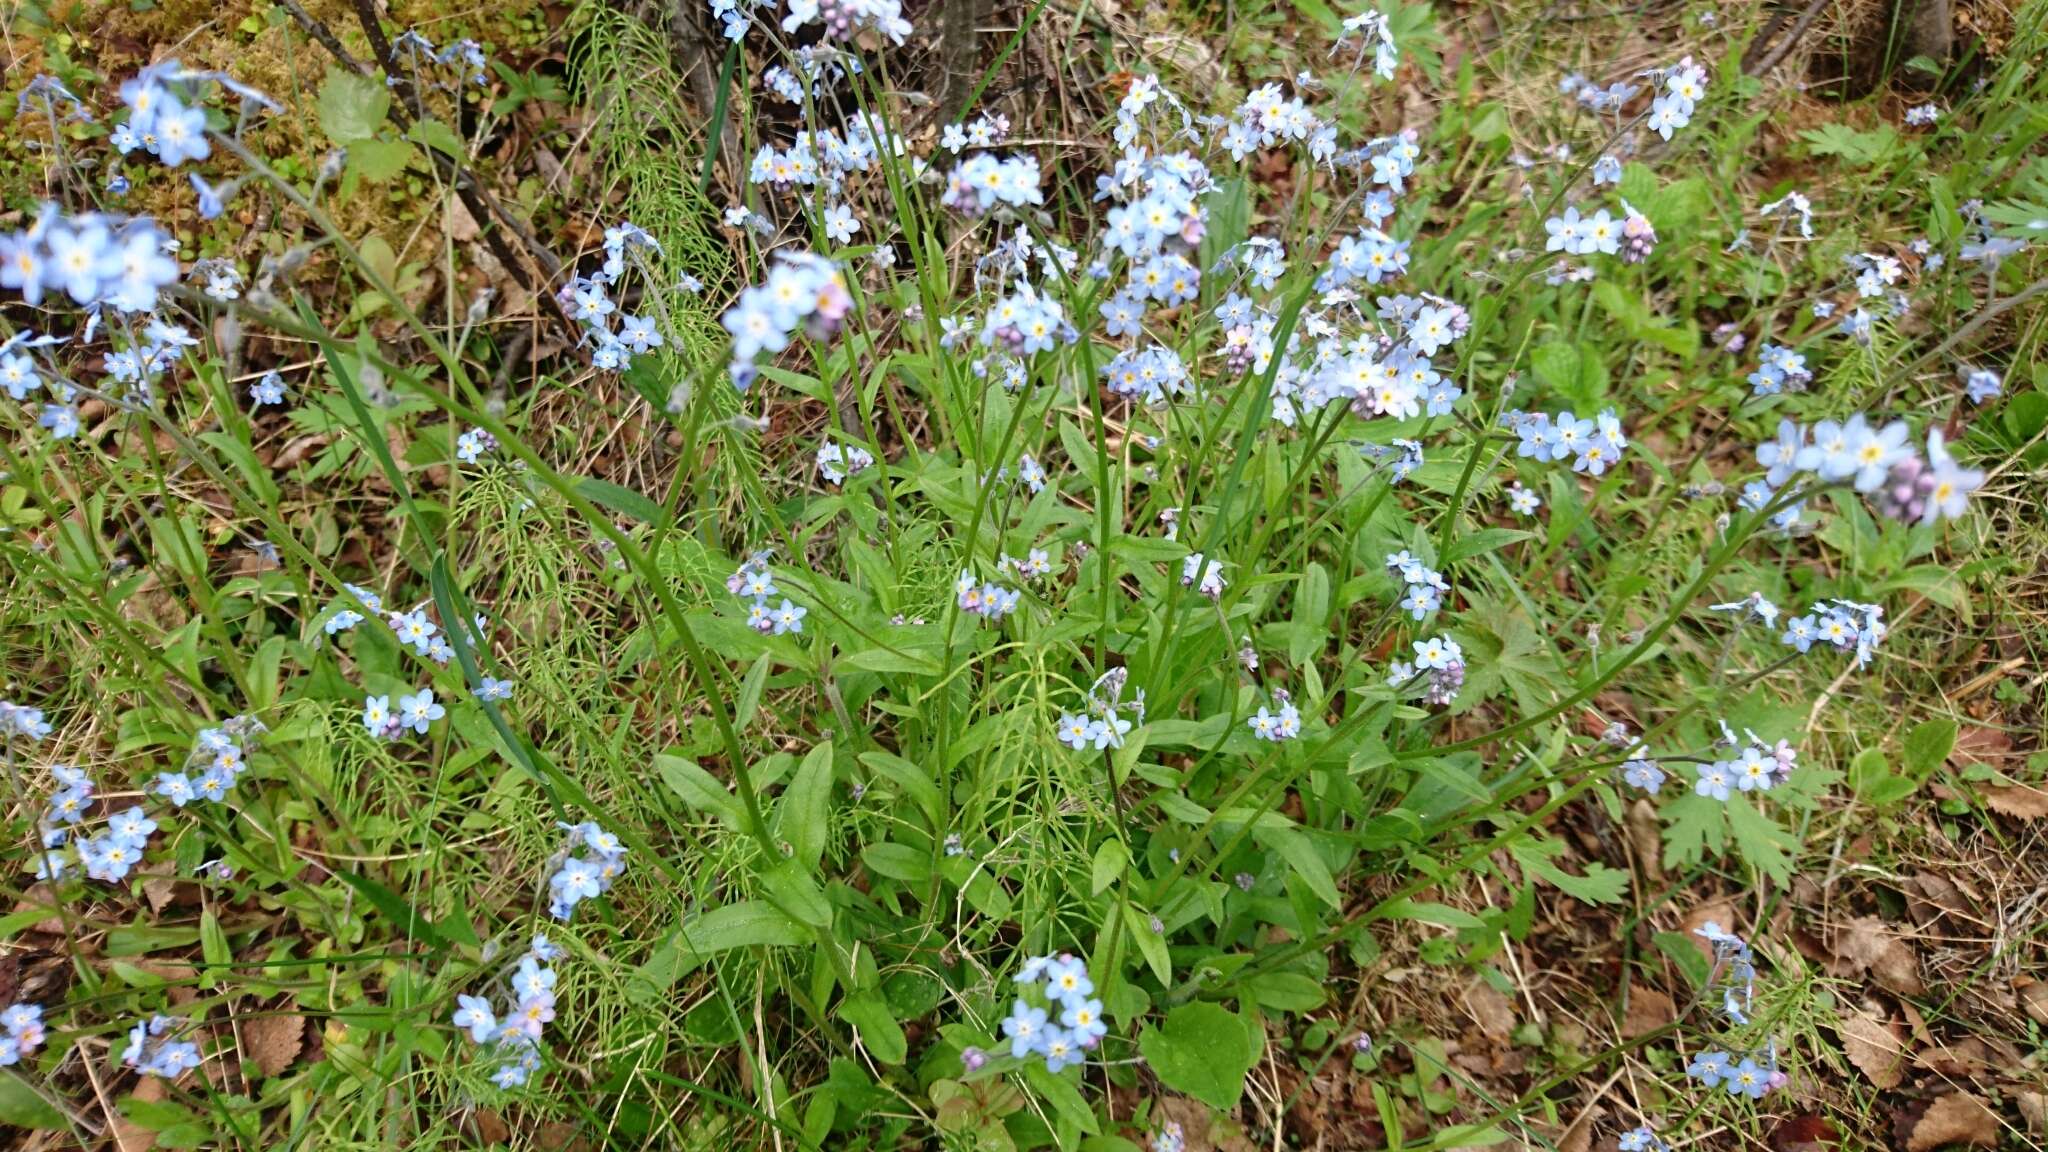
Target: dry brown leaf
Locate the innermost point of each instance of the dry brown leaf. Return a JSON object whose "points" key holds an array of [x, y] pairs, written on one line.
{"points": [[1804, 1132], [1493, 1011], [2017, 800], [2033, 998], [1645, 834], [1203, 1129], [1720, 912], [1648, 1010], [1876, 1047], [273, 1042], [1579, 1137], [1958, 1118], [2034, 1107], [1931, 897], [1980, 745], [461, 225], [1868, 944], [1968, 1058]]}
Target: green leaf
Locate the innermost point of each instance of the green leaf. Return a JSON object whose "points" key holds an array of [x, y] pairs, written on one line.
{"points": [[213, 948], [1201, 1050], [1858, 148], [915, 782], [379, 160], [1928, 746], [438, 136], [1299, 851], [1684, 953], [699, 789], [1150, 944], [898, 862], [351, 107], [1480, 542], [803, 815], [750, 690], [621, 499], [1066, 1100], [1311, 614], [869, 1015], [1427, 913], [1693, 826], [895, 662], [393, 907], [1110, 861], [1321, 13], [1599, 885], [789, 886], [20, 1107], [747, 924], [1764, 844], [1286, 991]]}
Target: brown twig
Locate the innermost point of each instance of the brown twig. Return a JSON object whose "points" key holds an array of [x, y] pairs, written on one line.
{"points": [[542, 268], [1778, 51]]}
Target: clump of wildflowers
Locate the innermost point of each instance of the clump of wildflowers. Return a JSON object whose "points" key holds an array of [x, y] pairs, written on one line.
{"points": [[1982, 385], [753, 579], [94, 259], [1781, 368], [982, 181], [414, 713], [581, 878], [1426, 586], [836, 462], [802, 291], [989, 601], [1202, 574], [153, 1050], [1100, 723], [1065, 1023], [1439, 668], [1640, 1139], [1757, 766], [1640, 771], [514, 1037], [473, 445], [1592, 445], [19, 721], [21, 1032], [1880, 462], [1842, 624], [1734, 976], [1284, 724]]}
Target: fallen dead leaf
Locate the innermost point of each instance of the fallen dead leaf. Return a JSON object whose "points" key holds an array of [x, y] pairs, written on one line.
{"points": [[1579, 1137], [1877, 1048], [1645, 835], [462, 226], [273, 1042], [2034, 1107], [1958, 1118], [1980, 744], [1648, 1010], [2033, 998], [1931, 897], [1202, 1129], [1804, 1132], [1870, 946], [1720, 913], [1968, 1058], [2016, 800], [1493, 1011]]}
